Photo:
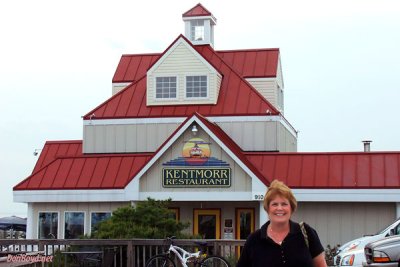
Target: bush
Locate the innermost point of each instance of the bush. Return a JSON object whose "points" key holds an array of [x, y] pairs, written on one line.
{"points": [[149, 219]]}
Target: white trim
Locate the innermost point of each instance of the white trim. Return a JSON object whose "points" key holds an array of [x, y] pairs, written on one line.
{"points": [[181, 119], [263, 215], [397, 209], [185, 97], [29, 222], [38, 196], [261, 79], [276, 118], [167, 99], [124, 84], [134, 121], [211, 18], [120, 195], [198, 196]]}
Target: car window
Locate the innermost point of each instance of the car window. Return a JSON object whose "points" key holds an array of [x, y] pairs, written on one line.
{"points": [[397, 230], [387, 228]]}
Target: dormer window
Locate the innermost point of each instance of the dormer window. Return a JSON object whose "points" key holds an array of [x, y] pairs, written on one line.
{"points": [[196, 86], [197, 30], [166, 87]]}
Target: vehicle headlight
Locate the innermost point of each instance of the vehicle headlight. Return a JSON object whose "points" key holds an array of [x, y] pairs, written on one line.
{"points": [[348, 260], [379, 256]]}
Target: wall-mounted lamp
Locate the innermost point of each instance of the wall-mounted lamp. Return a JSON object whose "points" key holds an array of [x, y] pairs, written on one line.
{"points": [[194, 129], [36, 152]]}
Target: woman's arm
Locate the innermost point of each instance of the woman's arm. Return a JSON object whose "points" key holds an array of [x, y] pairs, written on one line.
{"points": [[319, 261]]}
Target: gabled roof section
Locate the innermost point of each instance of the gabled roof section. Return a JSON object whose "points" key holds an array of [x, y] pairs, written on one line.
{"points": [[253, 63], [133, 67], [187, 44], [86, 172], [250, 63], [54, 149], [236, 97], [335, 170], [218, 135], [197, 11]]}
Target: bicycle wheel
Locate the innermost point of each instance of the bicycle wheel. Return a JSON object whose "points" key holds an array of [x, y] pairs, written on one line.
{"points": [[214, 261], [160, 261]]}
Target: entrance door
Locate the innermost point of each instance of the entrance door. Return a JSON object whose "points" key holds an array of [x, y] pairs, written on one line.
{"points": [[207, 223], [244, 223]]}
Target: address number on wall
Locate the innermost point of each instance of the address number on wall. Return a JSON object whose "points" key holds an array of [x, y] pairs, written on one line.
{"points": [[258, 197]]}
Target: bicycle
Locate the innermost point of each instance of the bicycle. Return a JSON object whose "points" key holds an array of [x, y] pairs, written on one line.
{"points": [[199, 258]]}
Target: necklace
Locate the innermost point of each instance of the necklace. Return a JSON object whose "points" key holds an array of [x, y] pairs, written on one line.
{"points": [[275, 236]]}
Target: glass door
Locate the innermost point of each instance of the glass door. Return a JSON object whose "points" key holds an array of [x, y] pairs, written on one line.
{"points": [[244, 223], [207, 223]]}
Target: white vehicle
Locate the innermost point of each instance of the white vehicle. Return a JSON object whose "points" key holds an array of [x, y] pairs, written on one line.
{"points": [[352, 253]]}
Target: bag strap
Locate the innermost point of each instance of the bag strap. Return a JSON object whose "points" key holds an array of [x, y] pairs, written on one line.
{"points": [[304, 231]]}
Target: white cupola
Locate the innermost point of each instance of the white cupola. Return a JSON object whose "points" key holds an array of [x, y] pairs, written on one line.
{"points": [[199, 25]]}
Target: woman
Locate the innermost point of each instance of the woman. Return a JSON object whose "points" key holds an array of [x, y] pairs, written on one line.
{"points": [[280, 241]]}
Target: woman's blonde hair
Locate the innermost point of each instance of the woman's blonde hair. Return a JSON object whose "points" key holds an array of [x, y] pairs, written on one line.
{"points": [[278, 188]]}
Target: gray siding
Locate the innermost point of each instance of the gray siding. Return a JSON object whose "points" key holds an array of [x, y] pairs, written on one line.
{"points": [[147, 137], [338, 223]]}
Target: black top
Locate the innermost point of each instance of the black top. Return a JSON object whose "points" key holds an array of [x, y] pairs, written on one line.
{"points": [[261, 251]]}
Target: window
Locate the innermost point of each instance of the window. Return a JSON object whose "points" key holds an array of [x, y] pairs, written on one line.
{"points": [[174, 214], [48, 225], [74, 225], [196, 86], [98, 217], [165, 87], [197, 30]]}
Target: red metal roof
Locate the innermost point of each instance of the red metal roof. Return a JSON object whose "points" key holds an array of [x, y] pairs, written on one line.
{"points": [[54, 149], [197, 10], [236, 97], [133, 67], [62, 166], [361, 170], [251, 63], [86, 172]]}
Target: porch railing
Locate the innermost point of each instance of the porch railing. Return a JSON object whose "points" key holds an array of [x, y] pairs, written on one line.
{"points": [[103, 252]]}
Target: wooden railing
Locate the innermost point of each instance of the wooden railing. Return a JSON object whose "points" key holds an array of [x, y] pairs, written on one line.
{"points": [[106, 252]]}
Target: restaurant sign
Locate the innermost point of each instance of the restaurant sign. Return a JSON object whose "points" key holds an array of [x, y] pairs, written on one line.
{"points": [[196, 168]]}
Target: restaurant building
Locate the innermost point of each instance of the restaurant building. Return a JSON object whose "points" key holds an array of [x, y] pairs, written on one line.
{"points": [[205, 128]]}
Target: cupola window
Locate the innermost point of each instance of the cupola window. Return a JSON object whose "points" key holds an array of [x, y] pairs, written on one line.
{"points": [[197, 30], [196, 86], [165, 87]]}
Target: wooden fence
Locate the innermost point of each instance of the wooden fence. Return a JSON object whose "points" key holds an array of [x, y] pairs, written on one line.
{"points": [[103, 252]]}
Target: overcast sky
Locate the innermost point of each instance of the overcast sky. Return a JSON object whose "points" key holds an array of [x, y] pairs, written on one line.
{"points": [[340, 62]]}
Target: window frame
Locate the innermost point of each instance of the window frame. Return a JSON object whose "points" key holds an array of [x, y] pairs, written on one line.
{"points": [[195, 24], [90, 218], [207, 87], [84, 221], [176, 88], [58, 224], [177, 212]]}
